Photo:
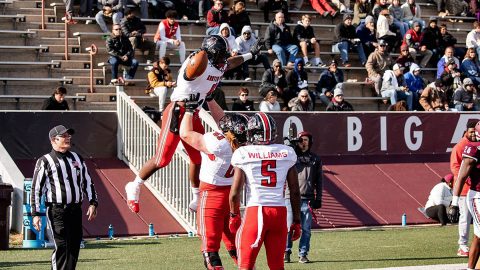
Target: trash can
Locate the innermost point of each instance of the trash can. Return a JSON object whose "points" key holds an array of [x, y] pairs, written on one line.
{"points": [[5, 201]]}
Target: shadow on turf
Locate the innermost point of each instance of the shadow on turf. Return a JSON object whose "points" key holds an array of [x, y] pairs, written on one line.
{"points": [[37, 264], [113, 243], [389, 259]]}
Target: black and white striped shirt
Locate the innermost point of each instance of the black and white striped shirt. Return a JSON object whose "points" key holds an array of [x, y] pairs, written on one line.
{"points": [[63, 178]]}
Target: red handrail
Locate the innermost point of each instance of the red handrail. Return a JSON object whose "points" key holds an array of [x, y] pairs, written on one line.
{"points": [[68, 17], [93, 51], [43, 15]]}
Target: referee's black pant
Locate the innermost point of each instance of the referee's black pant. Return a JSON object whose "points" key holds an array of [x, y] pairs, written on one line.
{"points": [[65, 221]]}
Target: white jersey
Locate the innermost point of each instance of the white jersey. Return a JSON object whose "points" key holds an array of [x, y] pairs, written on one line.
{"points": [[266, 168], [216, 168], [203, 84]]}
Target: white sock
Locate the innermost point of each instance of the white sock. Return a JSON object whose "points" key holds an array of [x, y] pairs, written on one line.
{"points": [[305, 59], [138, 180], [317, 61]]}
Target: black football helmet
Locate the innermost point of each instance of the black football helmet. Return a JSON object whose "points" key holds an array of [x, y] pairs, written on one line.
{"points": [[236, 123], [217, 50], [262, 129]]}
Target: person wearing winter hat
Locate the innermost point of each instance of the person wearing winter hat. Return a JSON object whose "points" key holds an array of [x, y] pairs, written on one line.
{"points": [[439, 199], [338, 102], [366, 32], [395, 88], [414, 82], [328, 80], [346, 40], [413, 39], [465, 96]]}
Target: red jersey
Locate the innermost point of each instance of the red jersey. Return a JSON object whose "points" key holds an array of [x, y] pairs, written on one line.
{"points": [[472, 150]]}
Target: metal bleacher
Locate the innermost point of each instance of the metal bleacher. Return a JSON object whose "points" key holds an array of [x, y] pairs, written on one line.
{"points": [[29, 41]]}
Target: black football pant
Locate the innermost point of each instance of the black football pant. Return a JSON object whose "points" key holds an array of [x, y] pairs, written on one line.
{"points": [[65, 221], [438, 212]]}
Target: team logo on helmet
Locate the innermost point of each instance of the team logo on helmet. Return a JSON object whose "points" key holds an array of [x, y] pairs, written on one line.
{"points": [[262, 129], [237, 124], [217, 50]]}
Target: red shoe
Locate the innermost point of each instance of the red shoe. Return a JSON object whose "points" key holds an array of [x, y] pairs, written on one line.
{"points": [[462, 251]]}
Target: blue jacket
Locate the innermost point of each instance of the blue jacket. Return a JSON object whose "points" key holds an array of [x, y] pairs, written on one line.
{"points": [[470, 68], [365, 35], [328, 80], [414, 83]]}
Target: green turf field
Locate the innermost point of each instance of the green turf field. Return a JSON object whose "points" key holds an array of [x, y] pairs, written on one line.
{"points": [[377, 247]]}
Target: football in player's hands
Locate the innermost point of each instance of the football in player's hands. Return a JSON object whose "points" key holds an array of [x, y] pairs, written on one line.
{"points": [[197, 63]]}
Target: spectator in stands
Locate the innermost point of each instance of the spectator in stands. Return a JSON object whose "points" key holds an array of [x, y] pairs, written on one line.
{"points": [[270, 103], [395, 87], [134, 29], [445, 58], [271, 5], [160, 80], [415, 84], [431, 38], [346, 40], [238, 18], [367, 34], [302, 103], [57, 100], [69, 12], [405, 59], [297, 79], [141, 4], [471, 67], [274, 79], [396, 13], [328, 80], [215, 17], [86, 8], [232, 50], [323, 8], [433, 97], [244, 42], [342, 7], [465, 96], [160, 7], [386, 29], [451, 79], [473, 38], [378, 7], [439, 199], [168, 35], [305, 39], [111, 11], [412, 13], [412, 39], [447, 40], [120, 51], [378, 62], [278, 39], [338, 102], [242, 103], [456, 8], [361, 10], [456, 158]]}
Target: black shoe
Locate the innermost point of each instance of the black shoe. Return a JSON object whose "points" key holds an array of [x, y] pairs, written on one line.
{"points": [[303, 259], [286, 256]]}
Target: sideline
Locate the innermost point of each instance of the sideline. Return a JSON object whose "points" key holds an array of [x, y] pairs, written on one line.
{"points": [[426, 267]]}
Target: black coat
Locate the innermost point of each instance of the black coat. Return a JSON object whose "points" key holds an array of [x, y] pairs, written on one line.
{"points": [[344, 32], [300, 33], [238, 105], [133, 24], [52, 104], [430, 38], [274, 35], [119, 46]]}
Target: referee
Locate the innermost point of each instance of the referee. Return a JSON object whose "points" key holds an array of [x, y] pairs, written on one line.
{"points": [[63, 177]]}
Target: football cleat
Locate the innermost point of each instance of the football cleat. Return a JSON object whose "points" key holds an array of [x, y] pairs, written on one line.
{"points": [[133, 196], [463, 251]]}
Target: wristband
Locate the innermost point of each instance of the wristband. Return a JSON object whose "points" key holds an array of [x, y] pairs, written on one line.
{"points": [[189, 113], [194, 190], [247, 56], [139, 180], [455, 200]]}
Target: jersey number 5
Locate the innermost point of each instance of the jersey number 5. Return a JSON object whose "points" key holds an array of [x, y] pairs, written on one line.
{"points": [[271, 175]]}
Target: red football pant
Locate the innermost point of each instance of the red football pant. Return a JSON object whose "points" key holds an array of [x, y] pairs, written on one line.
{"points": [[168, 141], [213, 214], [321, 6], [274, 235]]}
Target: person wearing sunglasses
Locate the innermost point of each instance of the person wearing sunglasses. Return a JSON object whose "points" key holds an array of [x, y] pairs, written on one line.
{"points": [[302, 103], [121, 52], [378, 62], [245, 42], [242, 103]]}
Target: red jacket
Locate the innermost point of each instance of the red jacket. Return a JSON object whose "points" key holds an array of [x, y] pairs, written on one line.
{"points": [[412, 39]]}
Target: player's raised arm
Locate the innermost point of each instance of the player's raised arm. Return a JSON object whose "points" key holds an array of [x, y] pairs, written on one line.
{"points": [[187, 133], [236, 61]]}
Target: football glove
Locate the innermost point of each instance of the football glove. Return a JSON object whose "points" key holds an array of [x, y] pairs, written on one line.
{"points": [[453, 213], [191, 104], [133, 196], [234, 223], [194, 202], [257, 47], [296, 231]]}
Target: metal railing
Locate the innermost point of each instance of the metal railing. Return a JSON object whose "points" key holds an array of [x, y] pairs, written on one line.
{"points": [[137, 140]]}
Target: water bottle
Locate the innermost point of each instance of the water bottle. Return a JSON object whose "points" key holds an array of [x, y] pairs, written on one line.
{"points": [[190, 234], [151, 232], [404, 219], [110, 231]]}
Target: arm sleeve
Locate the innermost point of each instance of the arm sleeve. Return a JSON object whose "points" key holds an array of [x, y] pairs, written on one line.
{"points": [[38, 183], [88, 187]]}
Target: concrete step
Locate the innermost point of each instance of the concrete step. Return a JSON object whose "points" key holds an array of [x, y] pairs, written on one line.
{"points": [[37, 11], [54, 41], [38, 18], [72, 48]]}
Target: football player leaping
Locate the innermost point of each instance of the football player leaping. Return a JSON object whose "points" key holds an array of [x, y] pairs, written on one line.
{"points": [[263, 167], [216, 177], [216, 48], [470, 167]]}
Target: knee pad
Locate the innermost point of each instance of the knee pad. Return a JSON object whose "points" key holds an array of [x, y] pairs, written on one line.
{"points": [[212, 261]]}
